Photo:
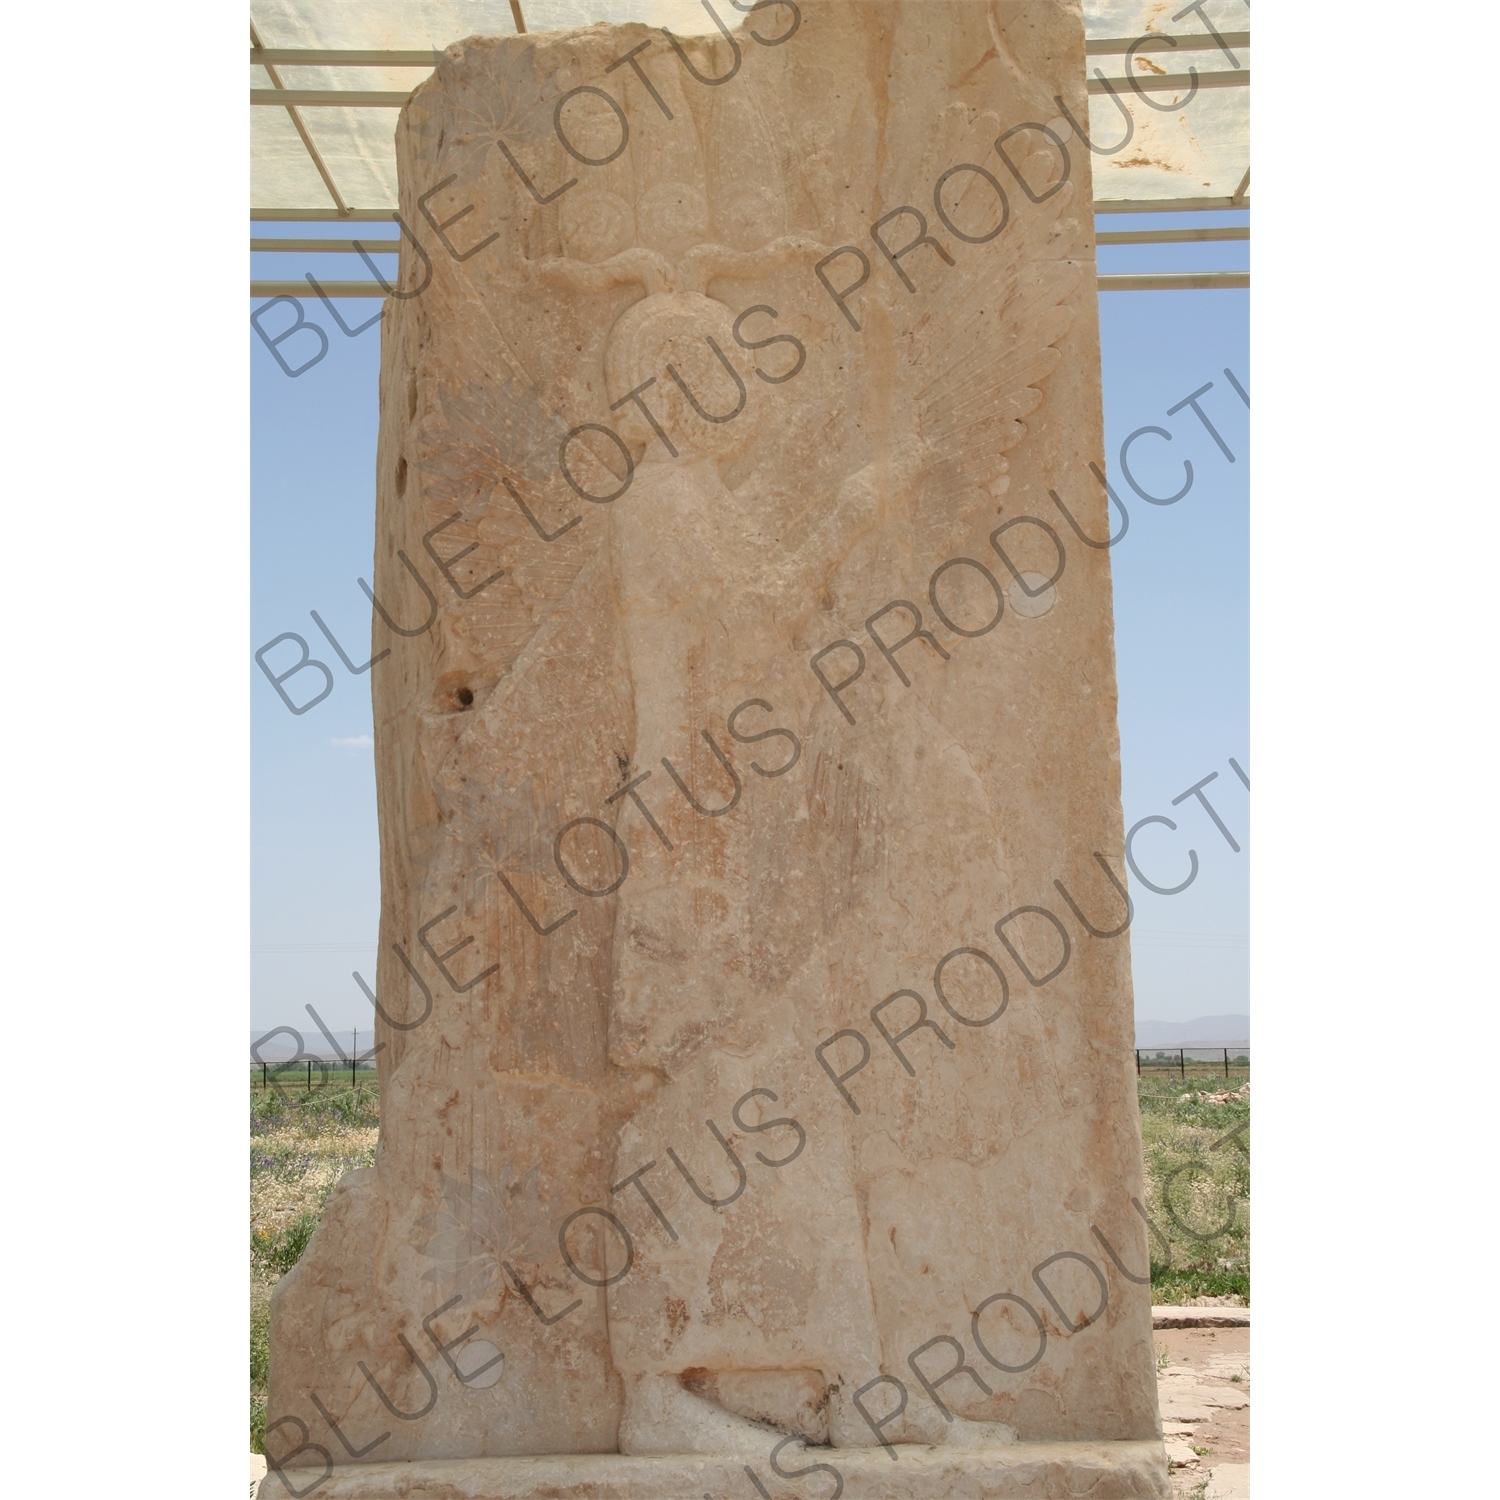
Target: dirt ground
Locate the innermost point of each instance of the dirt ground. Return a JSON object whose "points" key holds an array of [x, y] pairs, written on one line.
{"points": [[1204, 1383]]}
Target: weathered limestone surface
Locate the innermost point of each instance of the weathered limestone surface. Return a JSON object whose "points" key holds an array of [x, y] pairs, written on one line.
{"points": [[716, 1111]]}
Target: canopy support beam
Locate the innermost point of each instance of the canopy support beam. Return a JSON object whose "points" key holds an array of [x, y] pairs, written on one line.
{"points": [[1162, 281]]}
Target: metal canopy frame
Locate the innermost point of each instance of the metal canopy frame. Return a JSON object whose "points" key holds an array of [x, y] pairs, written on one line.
{"points": [[282, 96], [294, 100]]}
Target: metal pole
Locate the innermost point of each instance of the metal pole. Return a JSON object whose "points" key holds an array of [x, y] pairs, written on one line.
{"points": [[309, 1075], [1226, 1062], [1181, 1063], [1137, 1062], [265, 1079]]}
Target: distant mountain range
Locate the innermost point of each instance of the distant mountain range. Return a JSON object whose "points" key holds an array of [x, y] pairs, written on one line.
{"points": [[276, 1046], [1205, 1031]]}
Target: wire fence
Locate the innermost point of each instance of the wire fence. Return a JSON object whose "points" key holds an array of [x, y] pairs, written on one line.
{"points": [[309, 1074], [1223, 1061]]}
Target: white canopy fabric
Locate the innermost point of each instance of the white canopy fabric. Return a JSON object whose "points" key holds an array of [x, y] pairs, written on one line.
{"points": [[1200, 150], [1184, 150]]}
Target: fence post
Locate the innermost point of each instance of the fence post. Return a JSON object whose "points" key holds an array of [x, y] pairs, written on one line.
{"points": [[1181, 1063], [1226, 1063], [1137, 1062], [265, 1081], [309, 1075]]}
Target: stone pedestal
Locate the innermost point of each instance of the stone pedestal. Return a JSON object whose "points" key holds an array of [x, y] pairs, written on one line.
{"points": [[1036, 1471]]}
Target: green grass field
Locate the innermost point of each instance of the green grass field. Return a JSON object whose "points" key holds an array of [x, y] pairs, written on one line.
{"points": [[1195, 1135], [1196, 1140]]}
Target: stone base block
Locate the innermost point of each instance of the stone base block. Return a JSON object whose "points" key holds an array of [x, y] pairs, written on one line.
{"points": [[1200, 1317], [1039, 1471]]}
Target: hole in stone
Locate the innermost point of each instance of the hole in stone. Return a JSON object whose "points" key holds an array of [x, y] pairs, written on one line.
{"points": [[400, 476], [411, 396], [465, 697]]}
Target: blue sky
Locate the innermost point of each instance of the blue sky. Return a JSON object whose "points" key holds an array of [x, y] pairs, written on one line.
{"points": [[1181, 616], [1181, 577]]}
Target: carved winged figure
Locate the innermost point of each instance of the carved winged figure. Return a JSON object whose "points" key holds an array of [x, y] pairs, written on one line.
{"points": [[760, 504]]}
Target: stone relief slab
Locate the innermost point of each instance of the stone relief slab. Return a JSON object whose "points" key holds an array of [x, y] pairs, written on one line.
{"points": [[754, 986]]}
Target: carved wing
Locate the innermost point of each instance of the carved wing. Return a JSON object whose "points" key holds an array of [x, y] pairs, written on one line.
{"points": [[982, 342]]}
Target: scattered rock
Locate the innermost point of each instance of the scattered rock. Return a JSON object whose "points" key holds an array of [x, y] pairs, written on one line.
{"points": [[1228, 1482], [1180, 1454]]}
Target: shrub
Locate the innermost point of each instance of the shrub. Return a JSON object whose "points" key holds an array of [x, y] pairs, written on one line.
{"points": [[1182, 1284], [278, 1250]]}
